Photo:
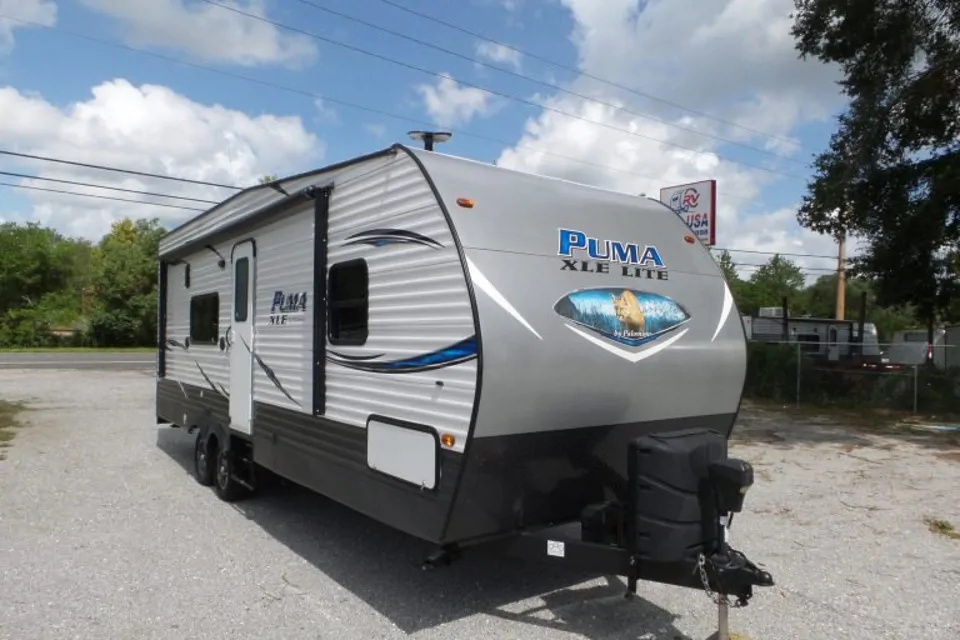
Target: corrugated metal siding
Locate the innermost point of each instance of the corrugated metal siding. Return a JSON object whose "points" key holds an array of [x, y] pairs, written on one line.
{"points": [[248, 203], [285, 263], [205, 277], [418, 303]]}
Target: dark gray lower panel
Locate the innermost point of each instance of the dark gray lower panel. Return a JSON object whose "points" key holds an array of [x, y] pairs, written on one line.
{"points": [[508, 482], [534, 479], [186, 405], [323, 456], [330, 458]]}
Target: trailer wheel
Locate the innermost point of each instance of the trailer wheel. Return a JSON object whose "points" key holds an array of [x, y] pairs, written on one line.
{"points": [[203, 468], [226, 486]]}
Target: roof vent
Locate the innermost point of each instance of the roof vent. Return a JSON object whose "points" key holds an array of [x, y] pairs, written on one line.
{"points": [[429, 137]]}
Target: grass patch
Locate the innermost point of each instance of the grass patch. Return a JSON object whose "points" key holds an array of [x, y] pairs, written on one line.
{"points": [[80, 350], [942, 527], [8, 424]]}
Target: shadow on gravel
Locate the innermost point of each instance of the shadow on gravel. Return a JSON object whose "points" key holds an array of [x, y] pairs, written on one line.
{"points": [[383, 567], [786, 426]]}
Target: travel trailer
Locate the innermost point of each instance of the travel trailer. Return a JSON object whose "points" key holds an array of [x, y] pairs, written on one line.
{"points": [[469, 355], [909, 347], [826, 338]]}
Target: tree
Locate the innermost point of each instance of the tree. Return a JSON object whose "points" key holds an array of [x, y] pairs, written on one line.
{"points": [[891, 173], [125, 282], [777, 278], [727, 266], [267, 178]]}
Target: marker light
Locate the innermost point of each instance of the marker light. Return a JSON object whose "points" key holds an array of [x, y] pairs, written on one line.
{"points": [[466, 203], [448, 440], [689, 239]]}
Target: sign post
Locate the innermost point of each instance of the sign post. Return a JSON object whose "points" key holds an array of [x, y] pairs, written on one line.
{"points": [[696, 204]]}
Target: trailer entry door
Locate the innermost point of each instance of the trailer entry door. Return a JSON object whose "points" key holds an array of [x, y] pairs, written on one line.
{"points": [[241, 338]]}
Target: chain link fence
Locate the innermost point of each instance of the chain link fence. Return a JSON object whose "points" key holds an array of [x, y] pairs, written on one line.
{"points": [[917, 378]]}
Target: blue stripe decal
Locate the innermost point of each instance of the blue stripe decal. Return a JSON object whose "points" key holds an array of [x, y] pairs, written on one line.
{"points": [[458, 353]]}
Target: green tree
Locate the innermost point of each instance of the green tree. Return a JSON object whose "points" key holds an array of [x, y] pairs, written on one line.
{"points": [[267, 178], [891, 173], [42, 276], [767, 285], [727, 266], [125, 284]]}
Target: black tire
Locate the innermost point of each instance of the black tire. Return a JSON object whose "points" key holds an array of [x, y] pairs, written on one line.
{"points": [[203, 468], [226, 488]]}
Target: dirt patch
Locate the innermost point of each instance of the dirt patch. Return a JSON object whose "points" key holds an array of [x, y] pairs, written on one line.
{"points": [[8, 425], [786, 426]]}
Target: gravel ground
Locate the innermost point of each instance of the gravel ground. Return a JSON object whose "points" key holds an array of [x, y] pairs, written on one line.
{"points": [[104, 534]]}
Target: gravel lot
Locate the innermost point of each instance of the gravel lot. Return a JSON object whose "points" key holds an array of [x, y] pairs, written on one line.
{"points": [[104, 534]]}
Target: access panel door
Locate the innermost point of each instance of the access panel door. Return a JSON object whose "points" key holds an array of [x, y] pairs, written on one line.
{"points": [[242, 338]]}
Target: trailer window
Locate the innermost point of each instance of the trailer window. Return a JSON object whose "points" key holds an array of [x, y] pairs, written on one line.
{"points": [[205, 318], [348, 302], [241, 279]]}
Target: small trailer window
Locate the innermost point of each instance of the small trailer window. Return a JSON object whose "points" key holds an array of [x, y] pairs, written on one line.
{"points": [[205, 318], [241, 278], [348, 302]]}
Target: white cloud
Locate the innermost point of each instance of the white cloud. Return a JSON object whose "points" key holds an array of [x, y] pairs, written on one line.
{"points": [[732, 59], [40, 11], [499, 53], [209, 32], [147, 128], [451, 105]]}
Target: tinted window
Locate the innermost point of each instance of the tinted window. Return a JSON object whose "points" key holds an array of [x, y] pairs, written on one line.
{"points": [[348, 302], [241, 278], [205, 318]]}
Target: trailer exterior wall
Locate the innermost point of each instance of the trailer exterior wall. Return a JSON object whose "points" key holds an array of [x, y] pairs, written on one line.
{"points": [[560, 401], [382, 211]]}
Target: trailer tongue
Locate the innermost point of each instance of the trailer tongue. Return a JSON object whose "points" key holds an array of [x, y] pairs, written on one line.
{"points": [[670, 525]]}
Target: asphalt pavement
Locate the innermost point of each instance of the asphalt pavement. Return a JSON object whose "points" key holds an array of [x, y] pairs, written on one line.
{"points": [[110, 361]]}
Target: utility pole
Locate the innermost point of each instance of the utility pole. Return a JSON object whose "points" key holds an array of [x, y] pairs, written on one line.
{"points": [[841, 300], [841, 275]]}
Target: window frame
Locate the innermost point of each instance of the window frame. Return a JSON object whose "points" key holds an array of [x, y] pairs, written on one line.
{"points": [[195, 337], [334, 336]]}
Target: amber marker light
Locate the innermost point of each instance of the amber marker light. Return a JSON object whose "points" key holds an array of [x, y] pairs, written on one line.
{"points": [[689, 239], [466, 203], [448, 440]]}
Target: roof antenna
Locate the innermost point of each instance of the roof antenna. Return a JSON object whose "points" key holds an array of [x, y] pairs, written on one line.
{"points": [[429, 137]]}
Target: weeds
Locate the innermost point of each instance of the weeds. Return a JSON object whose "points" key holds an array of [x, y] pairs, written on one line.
{"points": [[942, 527], [8, 425]]}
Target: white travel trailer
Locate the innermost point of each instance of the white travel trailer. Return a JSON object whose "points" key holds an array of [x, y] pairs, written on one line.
{"points": [[467, 354], [909, 347]]}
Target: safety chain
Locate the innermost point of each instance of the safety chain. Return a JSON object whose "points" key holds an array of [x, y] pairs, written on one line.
{"points": [[717, 598]]}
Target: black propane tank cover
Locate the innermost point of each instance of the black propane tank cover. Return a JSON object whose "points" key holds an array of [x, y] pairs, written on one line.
{"points": [[675, 515]]}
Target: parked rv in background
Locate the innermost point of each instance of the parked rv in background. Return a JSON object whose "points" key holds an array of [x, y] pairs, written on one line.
{"points": [[951, 352], [827, 338], [909, 347]]}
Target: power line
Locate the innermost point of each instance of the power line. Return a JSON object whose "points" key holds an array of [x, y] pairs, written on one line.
{"points": [[213, 202], [98, 196], [508, 96], [750, 265], [344, 103], [547, 84], [103, 186], [103, 168], [560, 65], [772, 253]]}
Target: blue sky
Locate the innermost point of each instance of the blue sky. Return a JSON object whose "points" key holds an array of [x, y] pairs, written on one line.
{"points": [[735, 63]]}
